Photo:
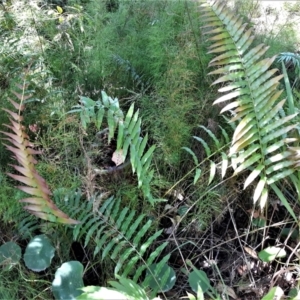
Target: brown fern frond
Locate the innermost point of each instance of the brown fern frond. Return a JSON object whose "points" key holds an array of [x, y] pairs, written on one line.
{"points": [[40, 203]]}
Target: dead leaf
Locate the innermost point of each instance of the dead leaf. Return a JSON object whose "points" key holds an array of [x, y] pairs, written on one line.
{"points": [[117, 157], [251, 252]]}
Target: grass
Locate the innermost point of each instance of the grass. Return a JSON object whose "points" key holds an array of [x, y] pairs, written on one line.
{"points": [[21, 284], [151, 53]]}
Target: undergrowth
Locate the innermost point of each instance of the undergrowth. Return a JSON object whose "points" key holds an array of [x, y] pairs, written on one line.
{"points": [[150, 57]]}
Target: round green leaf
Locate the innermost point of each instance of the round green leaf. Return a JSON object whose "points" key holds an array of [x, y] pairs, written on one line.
{"points": [[294, 294], [161, 283], [100, 293], [270, 253], [68, 281], [10, 254], [39, 253], [274, 293], [199, 278]]}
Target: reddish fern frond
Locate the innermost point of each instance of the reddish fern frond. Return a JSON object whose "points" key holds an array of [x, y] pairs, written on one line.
{"points": [[40, 204]]}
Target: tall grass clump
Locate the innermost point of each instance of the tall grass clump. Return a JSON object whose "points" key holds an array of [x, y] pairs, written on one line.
{"points": [[150, 53]]}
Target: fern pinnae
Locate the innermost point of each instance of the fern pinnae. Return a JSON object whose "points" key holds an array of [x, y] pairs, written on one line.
{"points": [[150, 260], [209, 154], [116, 233], [117, 249], [122, 217], [141, 233], [126, 254], [97, 238], [134, 226], [164, 279], [88, 222], [253, 95], [127, 221], [40, 203], [114, 214], [94, 228]]}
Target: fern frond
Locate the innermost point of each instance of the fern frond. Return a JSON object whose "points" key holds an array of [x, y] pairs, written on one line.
{"points": [[129, 141], [290, 58], [211, 154], [27, 226], [130, 70], [40, 203], [117, 233], [253, 100]]}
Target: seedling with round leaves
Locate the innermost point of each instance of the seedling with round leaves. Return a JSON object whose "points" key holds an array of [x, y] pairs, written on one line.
{"points": [[10, 255], [39, 253], [68, 281]]}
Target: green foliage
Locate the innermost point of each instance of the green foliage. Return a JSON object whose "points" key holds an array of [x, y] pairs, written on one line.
{"points": [[124, 288], [116, 232], [129, 141], [274, 293], [10, 254], [199, 278], [271, 253], [162, 278], [39, 253], [258, 142], [290, 58], [68, 281], [37, 257], [151, 55], [13, 286], [9, 213], [200, 283], [219, 148]]}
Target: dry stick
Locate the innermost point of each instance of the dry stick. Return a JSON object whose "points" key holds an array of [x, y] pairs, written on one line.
{"points": [[232, 239], [238, 237]]}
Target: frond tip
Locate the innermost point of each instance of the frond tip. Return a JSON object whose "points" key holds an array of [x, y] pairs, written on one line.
{"points": [[40, 203]]}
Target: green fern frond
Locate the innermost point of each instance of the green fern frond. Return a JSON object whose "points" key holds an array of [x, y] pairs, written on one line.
{"points": [[251, 89], [221, 147], [117, 233], [129, 141], [125, 64], [27, 226], [290, 58]]}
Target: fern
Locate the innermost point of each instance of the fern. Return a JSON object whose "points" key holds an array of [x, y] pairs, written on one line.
{"points": [[117, 233], [221, 150], [259, 140], [130, 70], [290, 58], [27, 226], [129, 140], [40, 203]]}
